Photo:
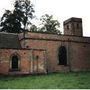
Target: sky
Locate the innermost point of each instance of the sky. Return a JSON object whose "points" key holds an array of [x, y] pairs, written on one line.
{"points": [[60, 9]]}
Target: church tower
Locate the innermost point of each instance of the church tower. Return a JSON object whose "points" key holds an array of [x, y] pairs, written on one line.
{"points": [[73, 26]]}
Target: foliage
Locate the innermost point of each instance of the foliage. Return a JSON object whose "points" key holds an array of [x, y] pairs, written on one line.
{"points": [[33, 28], [79, 80], [17, 20], [10, 23], [49, 24], [25, 10]]}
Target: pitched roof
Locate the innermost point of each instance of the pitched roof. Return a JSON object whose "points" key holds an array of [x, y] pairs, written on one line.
{"points": [[8, 40]]}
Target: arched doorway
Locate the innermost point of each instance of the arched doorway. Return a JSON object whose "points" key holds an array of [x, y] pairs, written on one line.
{"points": [[15, 63], [62, 55]]}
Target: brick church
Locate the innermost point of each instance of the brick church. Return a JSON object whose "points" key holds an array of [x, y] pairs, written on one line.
{"points": [[43, 53]]}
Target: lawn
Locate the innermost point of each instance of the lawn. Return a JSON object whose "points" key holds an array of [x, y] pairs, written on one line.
{"points": [[80, 80]]}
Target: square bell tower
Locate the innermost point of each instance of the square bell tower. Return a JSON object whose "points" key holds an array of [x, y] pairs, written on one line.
{"points": [[73, 26]]}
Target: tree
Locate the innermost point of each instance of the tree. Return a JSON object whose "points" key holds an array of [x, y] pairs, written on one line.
{"points": [[17, 21], [33, 28], [49, 24], [25, 10], [10, 23]]}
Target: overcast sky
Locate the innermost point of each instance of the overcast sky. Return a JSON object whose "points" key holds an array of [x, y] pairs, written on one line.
{"points": [[61, 9]]}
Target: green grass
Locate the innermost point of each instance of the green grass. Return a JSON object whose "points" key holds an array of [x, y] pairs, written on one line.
{"points": [[80, 80]]}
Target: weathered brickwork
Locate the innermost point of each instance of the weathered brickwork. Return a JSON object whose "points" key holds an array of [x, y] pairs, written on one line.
{"points": [[80, 59], [39, 53], [27, 61], [78, 53]]}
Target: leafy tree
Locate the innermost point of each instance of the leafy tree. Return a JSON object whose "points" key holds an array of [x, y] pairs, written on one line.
{"points": [[33, 28], [10, 23], [25, 10], [49, 24], [17, 20]]}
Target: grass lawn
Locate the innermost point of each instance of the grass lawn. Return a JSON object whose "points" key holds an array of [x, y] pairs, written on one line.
{"points": [[80, 80]]}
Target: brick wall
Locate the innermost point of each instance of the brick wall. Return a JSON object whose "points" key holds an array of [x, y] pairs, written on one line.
{"points": [[80, 56], [78, 52], [40, 54], [28, 63]]}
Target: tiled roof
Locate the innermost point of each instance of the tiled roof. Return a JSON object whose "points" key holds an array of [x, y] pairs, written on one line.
{"points": [[8, 40]]}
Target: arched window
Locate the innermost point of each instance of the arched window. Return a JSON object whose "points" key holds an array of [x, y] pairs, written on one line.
{"points": [[15, 63], [62, 55]]}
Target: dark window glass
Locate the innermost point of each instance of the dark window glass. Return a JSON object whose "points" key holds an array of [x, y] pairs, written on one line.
{"points": [[62, 56], [14, 63], [77, 26], [67, 26]]}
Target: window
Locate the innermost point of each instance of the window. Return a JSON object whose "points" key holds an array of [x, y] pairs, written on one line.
{"points": [[37, 57], [27, 46], [62, 55], [67, 26], [14, 63], [77, 25]]}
